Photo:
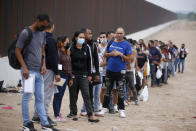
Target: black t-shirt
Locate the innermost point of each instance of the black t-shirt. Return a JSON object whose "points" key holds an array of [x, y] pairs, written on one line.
{"points": [[141, 59]]}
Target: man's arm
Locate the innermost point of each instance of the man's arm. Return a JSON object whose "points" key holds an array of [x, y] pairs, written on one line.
{"points": [[19, 56], [52, 55], [127, 58], [96, 60], [89, 64], [43, 69], [109, 54]]}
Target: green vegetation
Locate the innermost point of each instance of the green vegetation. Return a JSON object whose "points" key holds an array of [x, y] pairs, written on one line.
{"points": [[189, 16]]}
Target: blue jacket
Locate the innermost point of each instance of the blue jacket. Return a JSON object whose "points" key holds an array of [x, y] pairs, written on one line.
{"points": [[51, 53], [155, 55]]}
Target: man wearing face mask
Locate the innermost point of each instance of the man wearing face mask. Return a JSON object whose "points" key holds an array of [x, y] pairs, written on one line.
{"points": [[33, 65], [94, 65], [51, 72]]}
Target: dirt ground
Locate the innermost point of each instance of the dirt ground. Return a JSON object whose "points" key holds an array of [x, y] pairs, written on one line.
{"points": [[171, 107]]}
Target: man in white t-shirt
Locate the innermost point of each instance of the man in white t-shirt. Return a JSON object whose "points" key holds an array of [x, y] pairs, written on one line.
{"points": [[183, 52]]}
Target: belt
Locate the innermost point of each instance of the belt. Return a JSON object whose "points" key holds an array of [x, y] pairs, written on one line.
{"points": [[129, 71]]}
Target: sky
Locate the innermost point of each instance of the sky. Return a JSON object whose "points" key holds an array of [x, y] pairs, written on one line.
{"points": [[176, 5]]}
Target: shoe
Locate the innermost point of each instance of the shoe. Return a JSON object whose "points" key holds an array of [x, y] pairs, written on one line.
{"points": [[62, 119], [99, 114], [115, 108], [75, 119], [136, 102], [83, 113], [49, 128], [126, 103], [51, 122], [94, 120], [103, 111], [35, 119], [29, 127], [70, 115], [122, 113], [100, 107], [153, 86], [111, 111]]}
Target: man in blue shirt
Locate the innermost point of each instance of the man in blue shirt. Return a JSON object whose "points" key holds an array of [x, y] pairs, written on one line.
{"points": [[118, 52], [155, 59]]}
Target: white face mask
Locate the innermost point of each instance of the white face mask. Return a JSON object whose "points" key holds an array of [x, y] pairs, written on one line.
{"points": [[80, 41], [103, 40]]}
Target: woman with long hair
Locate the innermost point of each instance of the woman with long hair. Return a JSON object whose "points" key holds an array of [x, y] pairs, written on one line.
{"points": [[81, 75], [65, 72]]}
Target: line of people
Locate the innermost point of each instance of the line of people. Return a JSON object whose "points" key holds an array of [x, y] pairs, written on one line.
{"points": [[108, 71]]}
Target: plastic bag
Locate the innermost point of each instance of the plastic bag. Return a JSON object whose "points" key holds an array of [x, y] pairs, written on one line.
{"points": [[144, 95], [159, 73], [148, 68]]}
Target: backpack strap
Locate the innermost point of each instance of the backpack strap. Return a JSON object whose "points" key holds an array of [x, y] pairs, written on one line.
{"points": [[109, 44], [27, 41], [29, 38]]}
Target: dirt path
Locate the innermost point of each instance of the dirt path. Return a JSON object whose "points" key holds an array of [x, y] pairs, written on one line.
{"points": [[169, 108]]}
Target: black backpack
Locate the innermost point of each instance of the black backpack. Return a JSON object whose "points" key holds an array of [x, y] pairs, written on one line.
{"points": [[13, 61], [182, 53]]}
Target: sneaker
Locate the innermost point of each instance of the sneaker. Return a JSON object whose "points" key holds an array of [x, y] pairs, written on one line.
{"points": [[83, 113], [99, 114], [136, 102], [29, 127], [103, 111], [49, 128], [35, 119], [126, 103], [115, 108], [70, 115], [51, 122], [59, 119], [122, 113], [111, 111], [100, 107]]}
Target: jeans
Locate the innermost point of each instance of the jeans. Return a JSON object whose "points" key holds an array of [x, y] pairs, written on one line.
{"points": [[153, 69], [96, 96], [111, 96], [130, 84], [165, 75], [39, 100], [126, 90], [173, 68], [80, 83], [58, 97], [48, 90], [96, 93], [176, 63], [120, 79], [181, 61]]}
